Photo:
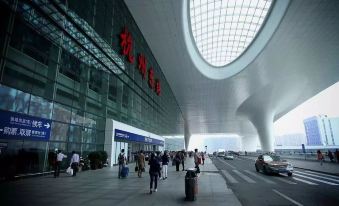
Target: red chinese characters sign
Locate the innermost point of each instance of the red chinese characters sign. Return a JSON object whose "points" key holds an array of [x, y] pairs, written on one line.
{"points": [[126, 44], [142, 65]]}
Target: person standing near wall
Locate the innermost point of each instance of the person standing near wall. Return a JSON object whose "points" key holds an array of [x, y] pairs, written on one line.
{"points": [[337, 155], [141, 163], [320, 157], [121, 161], [165, 161], [75, 163], [59, 159], [330, 155]]}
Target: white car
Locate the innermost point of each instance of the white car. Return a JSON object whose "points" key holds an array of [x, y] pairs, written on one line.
{"points": [[229, 157]]}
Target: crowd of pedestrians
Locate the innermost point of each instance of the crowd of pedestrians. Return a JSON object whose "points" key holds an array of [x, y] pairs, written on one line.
{"points": [[158, 164], [331, 155], [58, 159]]}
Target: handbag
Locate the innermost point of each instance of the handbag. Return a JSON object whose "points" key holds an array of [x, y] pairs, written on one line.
{"points": [[69, 171]]}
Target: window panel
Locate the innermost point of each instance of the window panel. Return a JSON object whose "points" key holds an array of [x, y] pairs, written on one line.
{"points": [[236, 18]]}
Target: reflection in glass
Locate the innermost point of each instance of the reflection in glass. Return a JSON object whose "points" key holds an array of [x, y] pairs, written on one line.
{"points": [[89, 135], [13, 100], [77, 117], [74, 134], [61, 113], [31, 157], [40, 107], [89, 120], [59, 131], [74, 147]]}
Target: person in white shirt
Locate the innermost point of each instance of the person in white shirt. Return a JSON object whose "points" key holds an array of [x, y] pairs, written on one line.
{"points": [[75, 163], [59, 158]]}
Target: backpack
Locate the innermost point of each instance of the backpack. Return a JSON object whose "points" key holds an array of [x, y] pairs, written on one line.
{"points": [[121, 159]]}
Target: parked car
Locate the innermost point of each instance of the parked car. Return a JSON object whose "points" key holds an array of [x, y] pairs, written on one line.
{"points": [[269, 163], [229, 156]]}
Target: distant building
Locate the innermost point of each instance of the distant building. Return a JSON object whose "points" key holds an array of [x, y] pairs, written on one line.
{"points": [[290, 140], [226, 143], [322, 130], [174, 144]]}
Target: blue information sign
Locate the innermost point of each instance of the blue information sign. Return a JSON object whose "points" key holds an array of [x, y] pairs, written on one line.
{"points": [[20, 126], [127, 136]]}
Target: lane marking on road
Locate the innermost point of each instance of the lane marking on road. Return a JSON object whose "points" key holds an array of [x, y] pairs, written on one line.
{"points": [[319, 173], [229, 177], [287, 198], [244, 177], [259, 177], [313, 175], [304, 181], [317, 180], [286, 181], [223, 161]]}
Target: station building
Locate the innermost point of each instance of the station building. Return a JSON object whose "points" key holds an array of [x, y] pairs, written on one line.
{"points": [[68, 72]]}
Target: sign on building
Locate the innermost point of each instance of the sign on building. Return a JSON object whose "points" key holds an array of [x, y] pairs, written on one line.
{"points": [[20, 126]]}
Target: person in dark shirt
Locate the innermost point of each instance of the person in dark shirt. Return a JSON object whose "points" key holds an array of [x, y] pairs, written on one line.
{"points": [[154, 171]]}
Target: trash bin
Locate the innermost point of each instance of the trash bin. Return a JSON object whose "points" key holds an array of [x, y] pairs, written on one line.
{"points": [[191, 184]]}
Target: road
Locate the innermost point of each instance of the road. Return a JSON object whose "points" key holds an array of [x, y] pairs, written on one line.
{"points": [[253, 188]]}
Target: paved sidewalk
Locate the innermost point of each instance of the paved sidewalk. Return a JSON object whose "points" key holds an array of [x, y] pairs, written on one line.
{"points": [[102, 187], [327, 167]]}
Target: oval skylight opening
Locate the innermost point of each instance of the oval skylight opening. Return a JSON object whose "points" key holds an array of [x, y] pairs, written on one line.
{"points": [[224, 29]]}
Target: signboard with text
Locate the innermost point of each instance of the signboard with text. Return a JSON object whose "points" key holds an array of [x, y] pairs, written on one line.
{"points": [[20, 126], [127, 136]]}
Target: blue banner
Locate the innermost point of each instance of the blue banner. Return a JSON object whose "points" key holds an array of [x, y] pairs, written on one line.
{"points": [[127, 136], [20, 126]]}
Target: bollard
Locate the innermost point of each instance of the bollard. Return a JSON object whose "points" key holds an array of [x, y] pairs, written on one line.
{"points": [[191, 184]]}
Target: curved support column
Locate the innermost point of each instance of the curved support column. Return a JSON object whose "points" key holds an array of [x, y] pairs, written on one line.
{"points": [[249, 143], [266, 138], [264, 126], [187, 135]]}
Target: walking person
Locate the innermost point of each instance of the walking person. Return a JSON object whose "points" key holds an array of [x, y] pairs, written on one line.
{"points": [[196, 160], [141, 163], [182, 159], [121, 161], [337, 155], [177, 159], [165, 161], [203, 158], [154, 171], [320, 157], [330, 155], [75, 163], [59, 159]]}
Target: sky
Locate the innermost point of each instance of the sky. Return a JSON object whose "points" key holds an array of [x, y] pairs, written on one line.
{"points": [[325, 102], [199, 141]]}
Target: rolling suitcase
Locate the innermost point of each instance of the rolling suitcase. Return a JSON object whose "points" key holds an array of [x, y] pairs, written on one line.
{"points": [[124, 171]]}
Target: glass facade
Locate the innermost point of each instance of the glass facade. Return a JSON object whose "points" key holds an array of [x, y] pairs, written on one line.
{"points": [[61, 60], [223, 29]]}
